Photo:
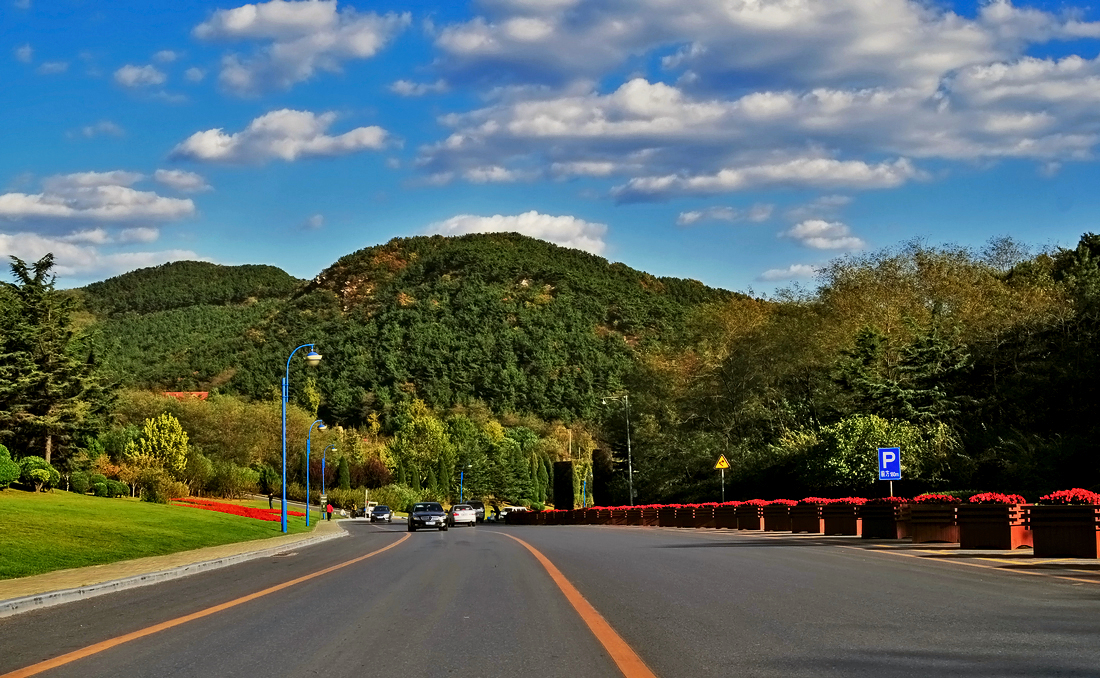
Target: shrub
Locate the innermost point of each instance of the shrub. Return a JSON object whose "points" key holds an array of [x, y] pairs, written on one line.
{"points": [[156, 485], [79, 483], [99, 489], [37, 471], [397, 497], [9, 470], [96, 478], [117, 489]]}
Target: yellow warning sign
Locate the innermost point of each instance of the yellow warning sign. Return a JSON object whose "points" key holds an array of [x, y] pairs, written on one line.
{"points": [[722, 463]]}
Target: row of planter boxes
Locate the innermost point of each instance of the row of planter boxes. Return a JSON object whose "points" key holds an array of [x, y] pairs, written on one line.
{"points": [[1053, 531]]}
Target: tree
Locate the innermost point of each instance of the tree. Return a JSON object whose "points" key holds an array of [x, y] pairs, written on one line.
{"points": [[343, 474], [9, 470], [38, 472], [163, 444], [49, 391]]}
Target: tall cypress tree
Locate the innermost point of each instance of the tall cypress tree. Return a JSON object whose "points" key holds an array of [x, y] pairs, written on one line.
{"points": [[50, 391]]}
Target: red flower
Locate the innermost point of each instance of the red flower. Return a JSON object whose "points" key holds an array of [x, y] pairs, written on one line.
{"points": [[817, 500], [782, 502], [997, 498], [1074, 496], [891, 501], [935, 499]]}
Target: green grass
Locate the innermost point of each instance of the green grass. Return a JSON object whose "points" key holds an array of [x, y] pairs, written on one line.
{"points": [[57, 530]]}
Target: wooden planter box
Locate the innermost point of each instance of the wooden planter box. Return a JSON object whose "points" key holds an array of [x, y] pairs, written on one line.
{"points": [[777, 518], [933, 523], [1071, 531], [992, 526], [618, 517], [649, 517], [540, 517], [603, 517], [704, 516], [666, 516], [807, 518], [884, 521], [591, 517], [634, 516], [725, 517], [750, 517], [685, 516], [576, 517], [841, 519]]}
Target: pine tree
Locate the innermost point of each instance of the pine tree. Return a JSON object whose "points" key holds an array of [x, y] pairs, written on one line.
{"points": [[49, 390], [343, 474]]}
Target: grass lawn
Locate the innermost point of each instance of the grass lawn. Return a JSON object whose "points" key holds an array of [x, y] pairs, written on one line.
{"points": [[57, 530]]}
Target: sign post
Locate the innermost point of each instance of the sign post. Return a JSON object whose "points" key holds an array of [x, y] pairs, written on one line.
{"points": [[722, 465], [889, 465]]}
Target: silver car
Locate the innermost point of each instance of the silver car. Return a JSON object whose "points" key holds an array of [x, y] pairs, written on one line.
{"points": [[462, 514]]}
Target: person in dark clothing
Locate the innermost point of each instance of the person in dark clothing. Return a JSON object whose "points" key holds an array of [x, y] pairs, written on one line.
{"points": [[270, 500]]}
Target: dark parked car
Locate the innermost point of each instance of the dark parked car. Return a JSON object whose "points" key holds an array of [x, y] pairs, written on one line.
{"points": [[381, 514], [427, 514], [479, 509]]}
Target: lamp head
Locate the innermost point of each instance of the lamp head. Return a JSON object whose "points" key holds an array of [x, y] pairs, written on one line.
{"points": [[322, 427], [312, 358]]}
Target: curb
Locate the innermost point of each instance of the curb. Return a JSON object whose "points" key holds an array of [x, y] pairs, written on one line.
{"points": [[38, 601]]}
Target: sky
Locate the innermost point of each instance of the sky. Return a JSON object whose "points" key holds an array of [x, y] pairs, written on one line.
{"points": [[742, 143]]}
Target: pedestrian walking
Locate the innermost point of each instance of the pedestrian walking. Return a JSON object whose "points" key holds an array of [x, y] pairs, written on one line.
{"points": [[270, 500], [328, 510]]}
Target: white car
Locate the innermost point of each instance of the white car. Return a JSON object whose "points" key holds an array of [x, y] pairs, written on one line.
{"points": [[462, 514]]}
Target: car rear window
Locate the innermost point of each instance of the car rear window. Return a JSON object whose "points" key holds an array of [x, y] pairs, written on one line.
{"points": [[462, 507]]}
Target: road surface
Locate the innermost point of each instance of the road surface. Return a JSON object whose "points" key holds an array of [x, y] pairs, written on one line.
{"points": [[475, 602]]}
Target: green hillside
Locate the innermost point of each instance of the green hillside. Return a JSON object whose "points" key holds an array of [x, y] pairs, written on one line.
{"points": [[518, 323]]}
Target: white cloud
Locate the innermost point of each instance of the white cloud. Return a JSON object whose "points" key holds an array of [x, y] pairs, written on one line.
{"points": [[845, 81], [567, 231], [824, 235], [166, 56], [53, 67], [194, 74], [75, 256], [139, 234], [315, 222], [300, 39], [284, 134], [757, 213], [407, 88], [102, 128], [103, 197], [800, 172], [790, 273], [24, 53], [180, 180], [139, 76]]}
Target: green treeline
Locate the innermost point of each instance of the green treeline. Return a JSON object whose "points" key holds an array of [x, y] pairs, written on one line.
{"points": [[487, 355]]}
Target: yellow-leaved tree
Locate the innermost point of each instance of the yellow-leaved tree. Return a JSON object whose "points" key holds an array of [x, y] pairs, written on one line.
{"points": [[163, 444]]}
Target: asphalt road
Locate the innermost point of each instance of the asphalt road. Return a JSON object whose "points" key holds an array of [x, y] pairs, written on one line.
{"points": [[472, 602]]}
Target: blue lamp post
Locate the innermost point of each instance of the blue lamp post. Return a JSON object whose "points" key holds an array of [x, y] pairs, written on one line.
{"points": [[323, 455], [312, 358], [322, 427]]}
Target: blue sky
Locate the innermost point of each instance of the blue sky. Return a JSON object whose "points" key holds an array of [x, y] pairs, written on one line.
{"points": [[737, 142]]}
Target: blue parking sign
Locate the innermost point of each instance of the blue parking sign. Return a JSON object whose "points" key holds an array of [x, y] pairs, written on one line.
{"points": [[889, 463]]}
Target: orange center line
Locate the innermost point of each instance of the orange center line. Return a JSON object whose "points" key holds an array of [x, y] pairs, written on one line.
{"points": [[623, 655], [96, 648]]}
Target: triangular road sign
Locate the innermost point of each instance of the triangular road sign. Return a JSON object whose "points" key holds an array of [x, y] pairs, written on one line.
{"points": [[722, 463]]}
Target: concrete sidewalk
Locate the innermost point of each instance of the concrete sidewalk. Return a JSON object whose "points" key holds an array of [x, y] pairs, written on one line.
{"points": [[63, 586]]}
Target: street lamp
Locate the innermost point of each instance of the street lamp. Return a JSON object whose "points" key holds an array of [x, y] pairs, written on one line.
{"points": [[461, 477], [332, 446], [625, 399], [312, 358], [322, 427]]}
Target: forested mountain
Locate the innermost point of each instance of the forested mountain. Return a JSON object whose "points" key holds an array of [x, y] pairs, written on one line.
{"points": [[516, 323]]}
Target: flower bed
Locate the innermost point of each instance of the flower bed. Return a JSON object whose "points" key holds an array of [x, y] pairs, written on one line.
{"points": [[704, 515], [932, 518], [884, 518], [750, 514], [271, 515], [1066, 524], [841, 516], [993, 521], [806, 515], [725, 515], [777, 515]]}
